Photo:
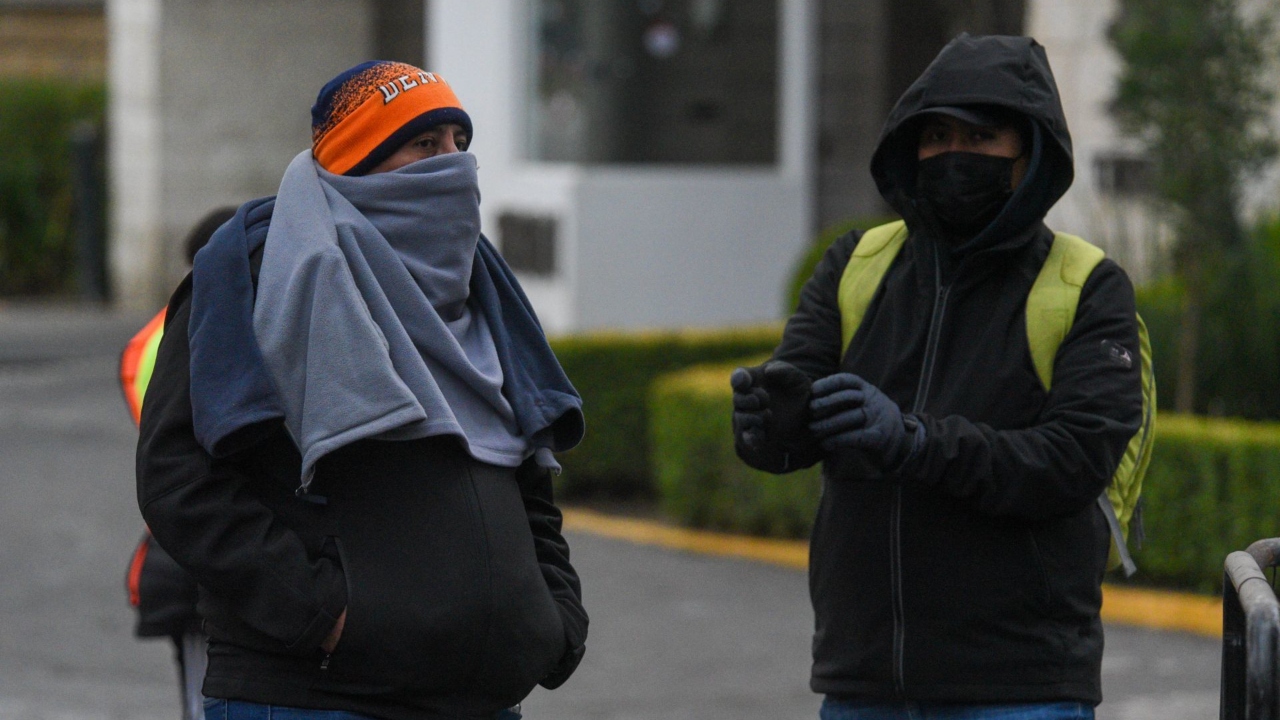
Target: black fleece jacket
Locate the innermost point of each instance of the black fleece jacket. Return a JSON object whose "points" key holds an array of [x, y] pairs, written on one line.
{"points": [[973, 574], [459, 592]]}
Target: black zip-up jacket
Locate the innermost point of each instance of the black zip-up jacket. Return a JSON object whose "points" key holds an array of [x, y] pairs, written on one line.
{"points": [[456, 580], [973, 574]]}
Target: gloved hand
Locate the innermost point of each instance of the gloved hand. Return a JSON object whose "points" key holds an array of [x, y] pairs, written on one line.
{"points": [[771, 406], [850, 413]]}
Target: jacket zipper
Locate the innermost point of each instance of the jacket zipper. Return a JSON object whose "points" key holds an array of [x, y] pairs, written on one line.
{"points": [[895, 522], [895, 570]]}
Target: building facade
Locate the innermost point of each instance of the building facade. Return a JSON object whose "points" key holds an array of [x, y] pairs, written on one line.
{"points": [[650, 163]]}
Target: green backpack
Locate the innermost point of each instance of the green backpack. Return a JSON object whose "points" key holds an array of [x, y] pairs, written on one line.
{"points": [[1051, 309]]}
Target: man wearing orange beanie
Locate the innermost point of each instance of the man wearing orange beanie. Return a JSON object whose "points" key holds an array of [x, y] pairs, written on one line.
{"points": [[348, 437], [379, 116]]}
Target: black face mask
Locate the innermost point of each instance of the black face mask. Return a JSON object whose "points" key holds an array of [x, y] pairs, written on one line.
{"points": [[963, 192]]}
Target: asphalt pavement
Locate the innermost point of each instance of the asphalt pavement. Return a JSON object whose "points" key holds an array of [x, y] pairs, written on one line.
{"points": [[673, 634]]}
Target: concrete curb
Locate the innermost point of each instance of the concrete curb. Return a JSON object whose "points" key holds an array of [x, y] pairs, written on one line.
{"points": [[1153, 609]]}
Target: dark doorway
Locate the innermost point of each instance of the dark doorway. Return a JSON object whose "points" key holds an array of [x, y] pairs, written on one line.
{"points": [[656, 81]]}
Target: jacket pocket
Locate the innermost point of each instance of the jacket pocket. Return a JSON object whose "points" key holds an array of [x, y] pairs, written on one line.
{"points": [[403, 631], [414, 556], [526, 636]]}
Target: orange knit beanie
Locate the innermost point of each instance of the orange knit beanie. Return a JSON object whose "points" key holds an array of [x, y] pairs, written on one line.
{"points": [[366, 113]]}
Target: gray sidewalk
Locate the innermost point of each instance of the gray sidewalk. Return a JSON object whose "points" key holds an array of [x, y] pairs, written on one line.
{"points": [[673, 635], [676, 635]]}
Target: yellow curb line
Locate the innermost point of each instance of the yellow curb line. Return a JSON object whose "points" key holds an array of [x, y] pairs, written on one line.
{"points": [[787, 553], [1163, 610], [1153, 609]]}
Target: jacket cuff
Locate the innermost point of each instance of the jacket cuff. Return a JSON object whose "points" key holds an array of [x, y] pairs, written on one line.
{"points": [[915, 445], [575, 636], [568, 663], [913, 465]]}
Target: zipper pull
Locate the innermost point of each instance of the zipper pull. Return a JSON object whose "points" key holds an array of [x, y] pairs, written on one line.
{"points": [[324, 664]]}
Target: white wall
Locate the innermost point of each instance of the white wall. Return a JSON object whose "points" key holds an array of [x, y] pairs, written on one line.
{"points": [[209, 102], [133, 28], [664, 249]]}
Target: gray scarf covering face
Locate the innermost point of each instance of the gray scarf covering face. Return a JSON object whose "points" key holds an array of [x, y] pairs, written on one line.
{"points": [[362, 311]]}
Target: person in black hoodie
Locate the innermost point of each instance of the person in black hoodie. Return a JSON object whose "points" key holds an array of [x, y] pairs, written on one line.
{"points": [[347, 438], [958, 551]]}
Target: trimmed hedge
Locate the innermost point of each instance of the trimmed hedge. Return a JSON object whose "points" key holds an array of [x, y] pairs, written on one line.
{"points": [[613, 372], [1213, 485], [701, 481], [37, 247]]}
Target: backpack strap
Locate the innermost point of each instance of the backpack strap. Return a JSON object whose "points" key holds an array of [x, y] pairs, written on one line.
{"points": [[1051, 304], [1125, 498], [867, 266], [1051, 310], [1120, 546]]}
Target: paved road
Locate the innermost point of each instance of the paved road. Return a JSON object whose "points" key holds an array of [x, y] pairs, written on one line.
{"points": [[673, 635]]}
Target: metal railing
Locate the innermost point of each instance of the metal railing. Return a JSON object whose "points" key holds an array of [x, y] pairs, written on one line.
{"points": [[1250, 635]]}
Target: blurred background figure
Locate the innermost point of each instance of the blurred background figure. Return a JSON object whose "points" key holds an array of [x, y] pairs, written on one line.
{"points": [[164, 594]]}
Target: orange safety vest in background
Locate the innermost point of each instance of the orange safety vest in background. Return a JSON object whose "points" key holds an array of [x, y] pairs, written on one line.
{"points": [[137, 361]]}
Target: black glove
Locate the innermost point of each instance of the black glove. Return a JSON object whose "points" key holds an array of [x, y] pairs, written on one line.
{"points": [[771, 409], [850, 413]]}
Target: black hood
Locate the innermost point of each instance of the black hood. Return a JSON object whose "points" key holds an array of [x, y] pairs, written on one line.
{"points": [[995, 70]]}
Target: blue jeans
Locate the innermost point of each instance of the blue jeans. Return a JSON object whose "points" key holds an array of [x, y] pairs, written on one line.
{"points": [[909, 710], [216, 709]]}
